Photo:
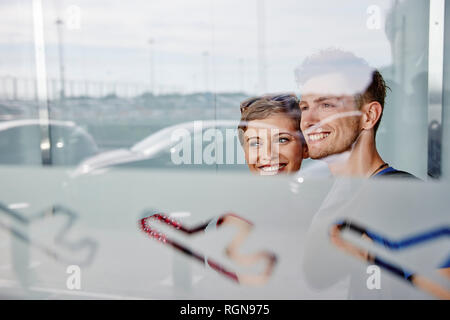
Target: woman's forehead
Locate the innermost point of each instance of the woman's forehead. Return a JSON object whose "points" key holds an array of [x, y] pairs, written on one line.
{"points": [[278, 122]]}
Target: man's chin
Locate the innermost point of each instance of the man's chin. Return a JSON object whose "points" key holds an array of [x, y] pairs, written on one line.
{"points": [[318, 155], [338, 157]]}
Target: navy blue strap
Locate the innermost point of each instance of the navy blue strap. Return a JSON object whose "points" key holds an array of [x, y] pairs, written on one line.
{"points": [[387, 170]]}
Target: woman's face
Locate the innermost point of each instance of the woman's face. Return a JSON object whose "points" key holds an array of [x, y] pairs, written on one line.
{"points": [[273, 146]]}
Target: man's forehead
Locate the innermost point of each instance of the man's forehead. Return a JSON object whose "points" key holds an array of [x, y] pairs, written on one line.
{"points": [[314, 98], [335, 84]]}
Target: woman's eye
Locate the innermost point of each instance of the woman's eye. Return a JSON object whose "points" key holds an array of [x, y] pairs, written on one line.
{"points": [[327, 105], [283, 140], [253, 144]]}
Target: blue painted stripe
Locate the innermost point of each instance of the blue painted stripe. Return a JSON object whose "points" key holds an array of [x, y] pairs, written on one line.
{"points": [[411, 241]]}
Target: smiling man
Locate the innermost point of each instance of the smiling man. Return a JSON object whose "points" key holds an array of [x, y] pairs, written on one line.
{"points": [[342, 104]]}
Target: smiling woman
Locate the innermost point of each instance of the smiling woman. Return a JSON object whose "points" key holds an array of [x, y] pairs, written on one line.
{"points": [[269, 132]]}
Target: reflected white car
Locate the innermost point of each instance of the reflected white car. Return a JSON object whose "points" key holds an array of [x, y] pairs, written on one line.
{"points": [[20, 142], [159, 148]]}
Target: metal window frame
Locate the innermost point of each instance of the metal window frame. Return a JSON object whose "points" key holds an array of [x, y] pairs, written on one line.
{"points": [[41, 81], [435, 86]]}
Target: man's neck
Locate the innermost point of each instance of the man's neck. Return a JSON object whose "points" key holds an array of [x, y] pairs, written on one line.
{"points": [[362, 160]]}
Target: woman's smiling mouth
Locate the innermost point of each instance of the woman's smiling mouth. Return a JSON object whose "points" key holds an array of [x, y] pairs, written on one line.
{"points": [[273, 167]]}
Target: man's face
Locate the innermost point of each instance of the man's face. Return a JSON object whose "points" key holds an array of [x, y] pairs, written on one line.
{"points": [[273, 146], [330, 123]]}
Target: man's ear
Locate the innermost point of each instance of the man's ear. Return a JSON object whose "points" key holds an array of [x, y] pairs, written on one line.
{"points": [[371, 114]]}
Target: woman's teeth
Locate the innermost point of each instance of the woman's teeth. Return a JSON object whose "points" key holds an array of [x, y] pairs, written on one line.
{"points": [[318, 136], [272, 168]]}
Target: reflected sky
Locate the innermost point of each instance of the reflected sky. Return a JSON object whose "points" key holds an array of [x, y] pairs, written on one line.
{"points": [[197, 45]]}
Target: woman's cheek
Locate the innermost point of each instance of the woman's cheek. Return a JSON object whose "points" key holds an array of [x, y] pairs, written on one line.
{"points": [[294, 154], [251, 155]]}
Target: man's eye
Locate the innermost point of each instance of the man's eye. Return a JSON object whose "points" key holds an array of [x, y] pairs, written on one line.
{"points": [[304, 108], [254, 144], [327, 105]]}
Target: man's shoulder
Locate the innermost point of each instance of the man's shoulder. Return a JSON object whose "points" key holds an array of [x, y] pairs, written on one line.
{"points": [[394, 173]]}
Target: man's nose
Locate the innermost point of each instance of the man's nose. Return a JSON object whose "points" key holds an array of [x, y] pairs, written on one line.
{"points": [[309, 119]]}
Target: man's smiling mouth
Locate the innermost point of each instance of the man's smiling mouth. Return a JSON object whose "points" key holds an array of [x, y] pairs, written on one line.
{"points": [[313, 137]]}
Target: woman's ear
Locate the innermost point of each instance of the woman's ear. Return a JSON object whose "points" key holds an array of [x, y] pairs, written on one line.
{"points": [[305, 152], [371, 114]]}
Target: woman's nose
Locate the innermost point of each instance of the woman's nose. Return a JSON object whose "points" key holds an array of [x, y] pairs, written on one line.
{"points": [[269, 153]]}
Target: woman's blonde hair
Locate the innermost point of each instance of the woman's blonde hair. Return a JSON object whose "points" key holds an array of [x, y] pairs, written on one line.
{"points": [[259, 108]]}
